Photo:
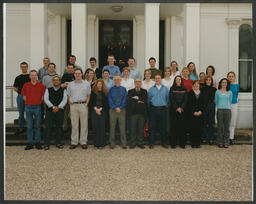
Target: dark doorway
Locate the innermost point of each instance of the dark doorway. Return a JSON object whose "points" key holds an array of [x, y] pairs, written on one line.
{"points": [[115, 37], [161, 44], [69, 37]]}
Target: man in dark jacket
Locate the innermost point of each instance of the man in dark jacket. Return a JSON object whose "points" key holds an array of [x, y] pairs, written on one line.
{"points": [[137, 109]]}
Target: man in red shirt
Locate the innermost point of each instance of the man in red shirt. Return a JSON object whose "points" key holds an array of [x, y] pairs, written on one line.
{"points": [[33, 94]]}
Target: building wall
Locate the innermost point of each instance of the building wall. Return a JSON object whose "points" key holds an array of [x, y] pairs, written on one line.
{"points": [[215, 48]]}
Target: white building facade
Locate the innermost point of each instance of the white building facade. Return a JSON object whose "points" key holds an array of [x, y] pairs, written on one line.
{"points": [[207, 34]]}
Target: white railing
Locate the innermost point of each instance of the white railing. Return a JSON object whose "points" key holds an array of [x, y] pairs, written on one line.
{"points": [[10, 99]]}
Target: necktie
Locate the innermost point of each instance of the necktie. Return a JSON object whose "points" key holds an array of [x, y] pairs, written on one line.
{"points": [[117, 97]]}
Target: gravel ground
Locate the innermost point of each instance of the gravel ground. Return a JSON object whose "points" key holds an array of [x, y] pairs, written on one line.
{"points": [[205, 174]]}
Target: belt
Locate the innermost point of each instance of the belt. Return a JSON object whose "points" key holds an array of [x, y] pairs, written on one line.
{"points": [[159, 107], [78, 102]]}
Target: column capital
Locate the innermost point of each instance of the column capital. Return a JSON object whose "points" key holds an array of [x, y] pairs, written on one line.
{"points": [[233, 22], [139, 19], [91, 18]]}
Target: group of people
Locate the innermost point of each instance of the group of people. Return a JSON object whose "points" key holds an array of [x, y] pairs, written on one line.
{"points": [[180, 103]]}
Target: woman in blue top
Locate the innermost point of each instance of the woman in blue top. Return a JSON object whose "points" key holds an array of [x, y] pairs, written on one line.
{"points": [[234, 87], [192, 70], [223, 100]]}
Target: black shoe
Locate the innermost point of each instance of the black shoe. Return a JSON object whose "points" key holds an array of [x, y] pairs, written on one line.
{"points": [[141, 146], [231, 142], [72, 146], [165, 146], [173, 146], [84, 146], [151, 146], [220, 146], [193, 146], [38, 146], [132, 146], [46, 147], [29, 146], [124, 147], [225, 146]]}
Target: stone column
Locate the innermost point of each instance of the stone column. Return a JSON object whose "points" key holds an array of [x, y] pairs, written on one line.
{"points": [[167, 50], [79, 34], [140, 45], [91, 38], [63, 43], [191, 33], [233, 44], [152, 32], [38, 34]]}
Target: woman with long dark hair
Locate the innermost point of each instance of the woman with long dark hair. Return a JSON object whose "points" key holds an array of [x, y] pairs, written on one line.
{"points": [[223, 100], [178, 101], [99, 107]]}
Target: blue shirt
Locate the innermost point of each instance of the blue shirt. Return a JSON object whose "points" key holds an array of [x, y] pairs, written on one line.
{"points": [[235, 90], [223, 101], [193, 77], [112, 97], [114, 70], [109, 84], [134, 73], [158, 97]]}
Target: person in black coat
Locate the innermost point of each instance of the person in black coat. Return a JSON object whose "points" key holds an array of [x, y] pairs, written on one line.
{"points": [[178, 101], [137, 110], [99, 107], [195, 111], [209, 112]]}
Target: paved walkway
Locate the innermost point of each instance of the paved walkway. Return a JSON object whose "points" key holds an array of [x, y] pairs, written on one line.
{"points": [[204, 174]]}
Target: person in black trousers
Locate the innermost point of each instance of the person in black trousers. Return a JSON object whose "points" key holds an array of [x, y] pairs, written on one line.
{"points": [[99, 107], [195, 111], [137, 111], [178, 102]]}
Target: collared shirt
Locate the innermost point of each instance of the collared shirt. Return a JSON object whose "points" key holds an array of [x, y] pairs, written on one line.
{"points": [[114, 70], [158, 97], [47, 80], [42, 72], [147, 85], [109, 84], [48, 102], [20, 81], [33, 93], [134, 73], [112, 97], [127, 83], [223, 101], [78, 91], [167, 83], [67, 78]]}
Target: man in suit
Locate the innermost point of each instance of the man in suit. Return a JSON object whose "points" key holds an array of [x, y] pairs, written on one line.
{"points": [[137, 110]]}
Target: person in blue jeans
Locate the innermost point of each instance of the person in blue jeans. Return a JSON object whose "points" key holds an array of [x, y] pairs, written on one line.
{"points": [[208, 116], [158, 98], [17, 86], [33, 93]]}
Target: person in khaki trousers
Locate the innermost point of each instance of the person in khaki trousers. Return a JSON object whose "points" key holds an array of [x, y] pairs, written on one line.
{"points": [[117, 102], [78, 92]]}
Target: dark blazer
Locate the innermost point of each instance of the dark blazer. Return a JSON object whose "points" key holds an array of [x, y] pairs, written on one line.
{"points": [[209, 94], [93, 100], [178, 98], [195, 104], [133, 106]]}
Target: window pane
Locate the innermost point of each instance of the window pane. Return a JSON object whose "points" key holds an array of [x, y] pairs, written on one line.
{"points": [[245, 42], [245, 76]]}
